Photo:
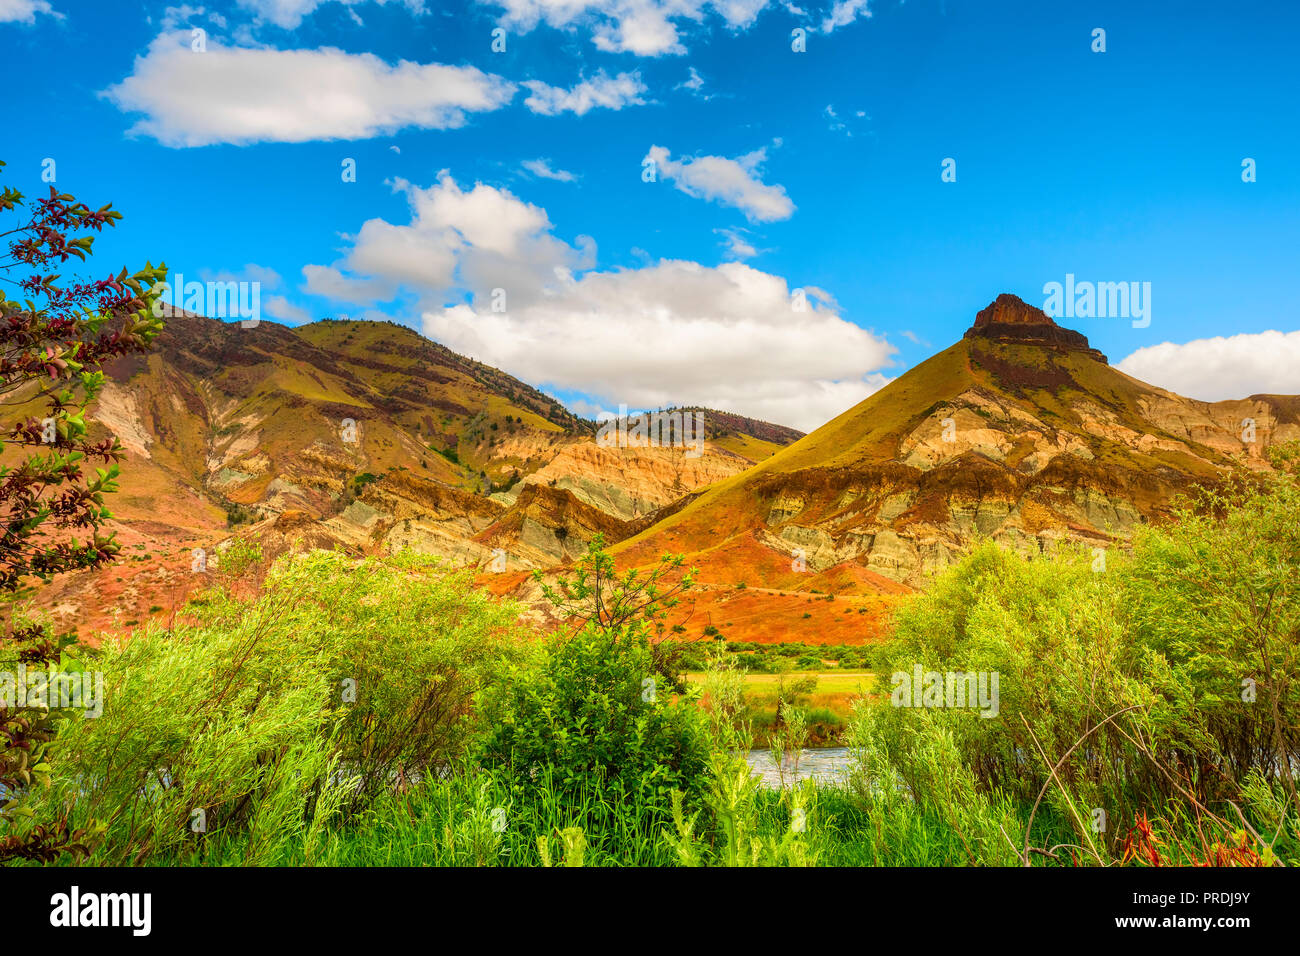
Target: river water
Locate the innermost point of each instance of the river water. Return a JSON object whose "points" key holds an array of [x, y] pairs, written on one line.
{"points": [[824, 764]]}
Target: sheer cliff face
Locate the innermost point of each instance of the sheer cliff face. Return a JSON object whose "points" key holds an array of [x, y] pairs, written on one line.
{"points": [[1021, 432]]}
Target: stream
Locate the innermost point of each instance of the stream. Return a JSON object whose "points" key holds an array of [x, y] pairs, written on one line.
{"points": [[825, 764]]}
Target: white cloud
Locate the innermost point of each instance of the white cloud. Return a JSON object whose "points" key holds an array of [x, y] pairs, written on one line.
{"points": [[266, 280], [330, 283], [732, 182], [605, 91], [247, 95], [1212, 370], [475, 241], [671, 331], [267, 277], [679, 332], [837, 124], [738, 246], [642, 27], [591, 410], [183, 15], [694, 82], [843, 13], [24, 11], [290, 13], [541, 168], [278, 307], [739, 14]]}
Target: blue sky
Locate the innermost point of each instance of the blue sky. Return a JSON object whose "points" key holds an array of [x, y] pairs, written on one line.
{"points": [[775, 170]]}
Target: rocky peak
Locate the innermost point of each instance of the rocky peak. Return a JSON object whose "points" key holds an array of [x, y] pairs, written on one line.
{"points": [[1008, 318]]}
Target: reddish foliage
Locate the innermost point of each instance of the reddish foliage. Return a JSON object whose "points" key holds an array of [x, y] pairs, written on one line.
{"points": [[53, 344]]}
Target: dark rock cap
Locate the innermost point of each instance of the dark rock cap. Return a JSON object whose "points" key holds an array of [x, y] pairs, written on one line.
{"points": [[1008, 318]]}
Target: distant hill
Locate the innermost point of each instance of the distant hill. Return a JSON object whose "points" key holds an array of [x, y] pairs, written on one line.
{"points": [[1020, 432], [361, 435], [719, 424]]}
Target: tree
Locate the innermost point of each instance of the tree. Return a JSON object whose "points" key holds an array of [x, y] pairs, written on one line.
{"points": [[589, 712], [54, 342], [632, 606]]}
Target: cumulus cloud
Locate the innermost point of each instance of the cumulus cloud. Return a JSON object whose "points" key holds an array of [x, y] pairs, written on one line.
{"points": [[471, 241], [679, 332], [642, 27], [590, 410], [278, 307], [1223, 367], [541, 168], [495, 283], [330, 283], [607, 92], [732, 182], [247, 95], [24, 11], [843, 13]]}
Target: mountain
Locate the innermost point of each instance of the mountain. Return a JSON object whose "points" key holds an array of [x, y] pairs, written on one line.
{"points": [[1020, 432], [366, 436], [361, 435]]}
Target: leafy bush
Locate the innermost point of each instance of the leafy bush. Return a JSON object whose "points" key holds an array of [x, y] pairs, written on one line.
{"points": [[265, 719], [1164, 683], [588, 709], [55, 340], [1214, 605], [596, 708]]}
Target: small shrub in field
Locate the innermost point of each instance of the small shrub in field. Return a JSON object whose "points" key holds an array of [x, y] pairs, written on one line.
{"points": [[597, 708], [583, 708]]}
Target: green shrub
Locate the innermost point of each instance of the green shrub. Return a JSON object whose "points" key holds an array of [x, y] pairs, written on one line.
{"points": [[264, 719], [589, 707], [1162, 684], [597, 708], [1214, 605]]}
